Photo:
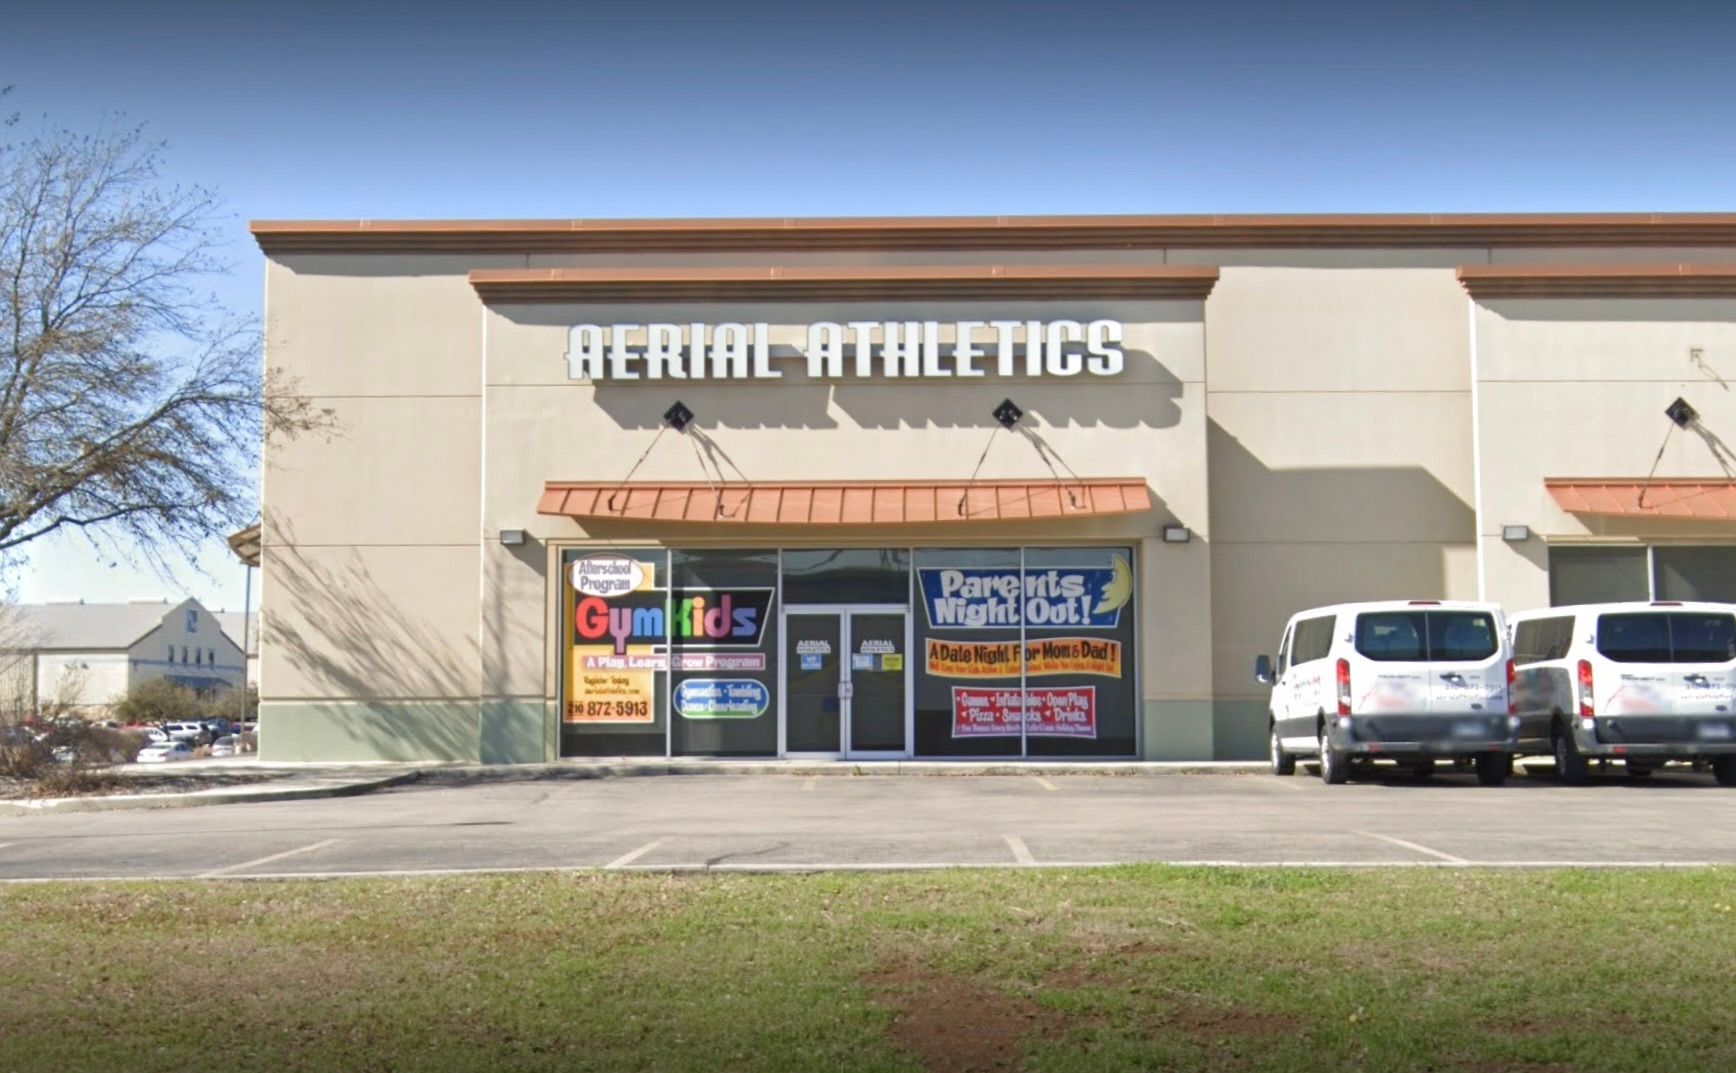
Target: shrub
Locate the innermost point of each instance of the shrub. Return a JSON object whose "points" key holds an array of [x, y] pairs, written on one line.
{"points": [[158, 701]]}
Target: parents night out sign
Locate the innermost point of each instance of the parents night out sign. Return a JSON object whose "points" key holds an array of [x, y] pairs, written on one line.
{"points": [[970, 598]]}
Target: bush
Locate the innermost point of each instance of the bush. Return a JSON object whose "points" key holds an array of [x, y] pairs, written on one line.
{"points": [[159, 701]]}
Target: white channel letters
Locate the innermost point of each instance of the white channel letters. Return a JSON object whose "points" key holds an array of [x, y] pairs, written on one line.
{"points": [[913, 349]]}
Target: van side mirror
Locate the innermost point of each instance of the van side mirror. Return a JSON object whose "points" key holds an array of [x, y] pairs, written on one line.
{"points": [[1263, 670]]}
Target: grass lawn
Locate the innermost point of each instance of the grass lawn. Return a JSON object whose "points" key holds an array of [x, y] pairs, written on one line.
{"points": [[1123, 969]]}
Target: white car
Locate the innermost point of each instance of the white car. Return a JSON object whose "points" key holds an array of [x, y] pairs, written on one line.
{"points": [[1407, 680], [164, 752], [1644, 683], [184, 731]]}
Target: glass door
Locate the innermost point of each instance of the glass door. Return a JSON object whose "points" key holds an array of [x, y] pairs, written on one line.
{"points": [[847, 682]]}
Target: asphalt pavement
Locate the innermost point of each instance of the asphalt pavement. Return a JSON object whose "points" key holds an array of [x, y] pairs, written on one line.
{"points": [[794, 822]]}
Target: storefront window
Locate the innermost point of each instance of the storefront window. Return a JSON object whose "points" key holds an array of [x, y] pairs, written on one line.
{"points": [[847, 576], [1707, 573], [967, 649], [614, 700], [1597, 575], [1080, 652], [724, 653]]}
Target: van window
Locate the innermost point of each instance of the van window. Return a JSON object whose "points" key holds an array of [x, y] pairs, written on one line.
{"points": [[1667, 637], [1312, 639], [1542, 638], [1418, 636]]}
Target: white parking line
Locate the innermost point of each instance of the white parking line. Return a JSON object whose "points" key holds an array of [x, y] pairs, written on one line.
{"points": [[1045, 783], [1021, 852], [1413, 847], [628, 858], [244, 865]]}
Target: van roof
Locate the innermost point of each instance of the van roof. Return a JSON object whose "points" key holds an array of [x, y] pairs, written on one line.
{"points": [[1400, 605], [1628, 606]]}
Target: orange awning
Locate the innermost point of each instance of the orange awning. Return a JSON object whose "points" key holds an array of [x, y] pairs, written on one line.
{"points": [[1671, 498], [845, 502]]}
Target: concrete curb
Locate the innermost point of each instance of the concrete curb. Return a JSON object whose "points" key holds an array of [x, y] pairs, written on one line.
{"points": [[289, 790]]}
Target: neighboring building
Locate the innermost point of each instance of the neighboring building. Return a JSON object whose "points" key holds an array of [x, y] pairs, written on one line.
{"points": [[509, 554], [232, 623], [87, 656]]}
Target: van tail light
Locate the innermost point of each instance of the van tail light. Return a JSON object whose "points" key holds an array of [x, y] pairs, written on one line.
{"points": [[1587, 705], [1343, 687], [1512, 702]]}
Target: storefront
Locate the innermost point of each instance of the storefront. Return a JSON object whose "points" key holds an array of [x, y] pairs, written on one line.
{"points": [[953, 489]]}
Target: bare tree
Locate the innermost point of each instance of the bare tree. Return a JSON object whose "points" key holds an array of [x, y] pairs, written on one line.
{"points": [[131, 404]]}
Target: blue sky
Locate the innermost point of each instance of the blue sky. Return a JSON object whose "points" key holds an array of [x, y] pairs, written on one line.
{"points": [[320, 110]]}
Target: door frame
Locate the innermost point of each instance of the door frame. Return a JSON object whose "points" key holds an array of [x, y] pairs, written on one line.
{"points": [[845, 703]]}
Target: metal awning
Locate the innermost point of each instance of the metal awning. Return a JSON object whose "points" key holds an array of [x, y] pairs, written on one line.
{"points": [[830, 503], [1706, 500]]}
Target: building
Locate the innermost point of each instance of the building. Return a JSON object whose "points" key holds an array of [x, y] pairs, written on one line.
{"points": [[86, 656], [953, 487]]}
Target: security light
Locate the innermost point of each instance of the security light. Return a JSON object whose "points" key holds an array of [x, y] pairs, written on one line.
{"points": [[1515, 534], [1681, 413], [1008, 413], [512, 537], [1176, 534], [678, 416]]}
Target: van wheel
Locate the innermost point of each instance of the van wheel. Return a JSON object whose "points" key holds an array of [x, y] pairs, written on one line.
{"points": [[1334, 763], [1282, 762], [1724, 770], [1493, 768], [1570, 763]]}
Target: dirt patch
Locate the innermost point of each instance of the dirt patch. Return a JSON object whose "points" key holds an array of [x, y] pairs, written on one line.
{"points": [[1207, 1024], [86, 783], [953, 1024]]}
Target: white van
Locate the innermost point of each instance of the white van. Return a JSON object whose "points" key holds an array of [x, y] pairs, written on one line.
{"points": [[1407, 680], [1644, 683]]}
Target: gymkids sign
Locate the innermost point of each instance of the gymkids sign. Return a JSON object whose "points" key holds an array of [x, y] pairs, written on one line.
{"points": [[713, 618], [976, 599]]}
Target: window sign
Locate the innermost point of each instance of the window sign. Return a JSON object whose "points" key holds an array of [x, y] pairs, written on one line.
{"points": [[974, 599]]}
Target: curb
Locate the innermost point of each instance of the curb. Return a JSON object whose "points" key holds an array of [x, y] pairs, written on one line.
{"points": [[823, 768], [222, 795]]}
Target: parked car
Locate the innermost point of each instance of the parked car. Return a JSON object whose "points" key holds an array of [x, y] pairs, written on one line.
{"points": [[184, 731], [1409, 681], [227, 745], [155, 735], [1644, 683], [164, 752]]}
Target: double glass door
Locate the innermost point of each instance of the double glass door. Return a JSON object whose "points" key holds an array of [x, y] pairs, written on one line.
{"points": [[848, 681]]}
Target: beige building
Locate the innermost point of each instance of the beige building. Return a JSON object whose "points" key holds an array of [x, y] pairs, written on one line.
{"points": [[516, 546]]}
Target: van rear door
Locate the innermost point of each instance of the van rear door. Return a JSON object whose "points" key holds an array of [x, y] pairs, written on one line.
{"points": [[1395, 677], [1466, 671], [1666, 663]]}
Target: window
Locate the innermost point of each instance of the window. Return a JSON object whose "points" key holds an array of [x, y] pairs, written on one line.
{"points": [[183, 653], [1540, 639], [1426, 636], [847, 576], [1313, 639], [198, 657], [170, 658], [1667, 637], [1707, 573], [1597, 575], [1283, 653]]}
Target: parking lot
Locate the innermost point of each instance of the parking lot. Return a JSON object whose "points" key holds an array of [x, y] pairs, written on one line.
{"points": [[783, 822]]}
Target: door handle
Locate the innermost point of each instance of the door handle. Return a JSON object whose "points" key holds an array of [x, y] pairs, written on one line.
{"points": [[846, 690]]}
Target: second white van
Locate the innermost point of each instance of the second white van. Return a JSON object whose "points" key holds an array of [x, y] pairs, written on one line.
{"points": [[1642, 683], [1411, 681]]}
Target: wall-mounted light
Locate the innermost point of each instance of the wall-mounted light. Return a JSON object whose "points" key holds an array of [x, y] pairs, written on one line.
{"points": [[678, 416], [512, 537], [1008, 413], [1515, 534], [1177, 534]]}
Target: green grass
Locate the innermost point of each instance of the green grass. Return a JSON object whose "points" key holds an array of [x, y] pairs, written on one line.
{"points": [[1133, 968]]}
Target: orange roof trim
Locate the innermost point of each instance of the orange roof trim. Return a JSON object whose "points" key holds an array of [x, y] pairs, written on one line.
{"points": [[844, 283], [795, 503], [1600, 281], [1001, 232], [1673, 498]]}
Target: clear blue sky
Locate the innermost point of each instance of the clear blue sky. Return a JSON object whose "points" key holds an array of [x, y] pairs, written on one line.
{"points": [[507, 109]]}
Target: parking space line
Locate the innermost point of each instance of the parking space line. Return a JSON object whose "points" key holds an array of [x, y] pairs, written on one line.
{"points": [[1413, 847], [628, 858], [1021, 852], [1045, 783], [244, 865]]}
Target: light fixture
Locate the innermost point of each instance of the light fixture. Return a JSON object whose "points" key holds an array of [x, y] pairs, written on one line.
{"points": [[1681, 413], [1008, 413], [678, 416], [1515, 534], [1177, 534], [512, 537]]}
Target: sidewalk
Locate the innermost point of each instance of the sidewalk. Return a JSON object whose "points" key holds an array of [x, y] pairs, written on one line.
{"points": [[300, 781]]}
